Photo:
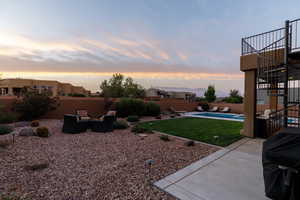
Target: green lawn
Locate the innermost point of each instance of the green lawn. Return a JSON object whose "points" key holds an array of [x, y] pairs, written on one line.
{"points": [[200, 129]]}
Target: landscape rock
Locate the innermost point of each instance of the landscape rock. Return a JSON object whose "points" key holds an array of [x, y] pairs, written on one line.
{"points": [[26, 132]]}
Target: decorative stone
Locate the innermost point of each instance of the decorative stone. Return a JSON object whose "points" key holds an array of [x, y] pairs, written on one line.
{"points": [[143, 135], [26, 132]]}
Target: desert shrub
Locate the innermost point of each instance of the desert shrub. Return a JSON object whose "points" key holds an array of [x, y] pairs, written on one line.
{"points": [[34, 105], [76, 95], [35, 167], [42, 132], [129, 106], [158, 117], [4, 129], [204, 105], [152, 109], [139, 129], [120, 124], [133, 118], [8, 117], [35, 123], [164, 138], [233, 99], [5, 143], [189, 143]]}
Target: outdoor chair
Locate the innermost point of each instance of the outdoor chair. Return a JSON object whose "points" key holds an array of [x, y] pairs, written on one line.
{"points": [[225, 110], [214, 109], [83, 114], [72, 124], [199, 108], [266, 114], [105, 125]]}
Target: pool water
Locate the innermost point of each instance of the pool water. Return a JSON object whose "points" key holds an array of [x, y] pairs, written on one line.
{"points": [[225, 116], [228, 116]]}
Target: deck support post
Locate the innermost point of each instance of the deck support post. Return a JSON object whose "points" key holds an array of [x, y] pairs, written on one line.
{"points": [[250, 104]]}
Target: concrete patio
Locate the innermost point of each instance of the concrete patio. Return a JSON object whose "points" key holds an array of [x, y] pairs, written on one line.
{"points": [[232, 173]]}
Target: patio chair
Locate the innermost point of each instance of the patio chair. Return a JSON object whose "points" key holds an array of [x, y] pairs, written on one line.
{"points": [[225, 110], [72, 124], [199, 108], [105, 125], [83, 114], [266, 114], [109, 113], [214, 109]]}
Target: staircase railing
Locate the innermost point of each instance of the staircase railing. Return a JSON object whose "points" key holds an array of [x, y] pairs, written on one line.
{"points": [[263, 41], [295, 39], [276, 118]]}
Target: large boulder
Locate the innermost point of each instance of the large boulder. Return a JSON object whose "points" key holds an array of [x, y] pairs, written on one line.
{"points": [[26, 132]]}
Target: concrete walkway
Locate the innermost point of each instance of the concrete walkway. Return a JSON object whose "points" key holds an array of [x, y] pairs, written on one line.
{"points": [[232, 173]]}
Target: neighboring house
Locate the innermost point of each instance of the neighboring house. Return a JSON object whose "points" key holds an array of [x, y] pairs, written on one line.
{"points": [[17, 87], [159, 93]]}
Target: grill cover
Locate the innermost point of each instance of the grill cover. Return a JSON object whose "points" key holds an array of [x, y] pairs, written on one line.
{"points": [[282, 149]]}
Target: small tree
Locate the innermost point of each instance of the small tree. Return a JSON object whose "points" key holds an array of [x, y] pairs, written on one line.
{"points": [[34, 105], [118, 86], [209, 94], [234, 97]]}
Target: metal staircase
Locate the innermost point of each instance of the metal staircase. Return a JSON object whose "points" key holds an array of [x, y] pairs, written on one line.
{"points": [[278, 71]]}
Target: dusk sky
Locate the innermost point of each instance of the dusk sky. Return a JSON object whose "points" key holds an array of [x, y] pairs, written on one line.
{"points": [[173, 43]]}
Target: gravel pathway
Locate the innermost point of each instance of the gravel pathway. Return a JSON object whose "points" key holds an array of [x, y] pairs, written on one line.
{"points": [[93, 165]]}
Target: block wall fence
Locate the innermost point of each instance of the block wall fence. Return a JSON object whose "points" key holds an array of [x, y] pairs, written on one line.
{"points": [[96, 106]]}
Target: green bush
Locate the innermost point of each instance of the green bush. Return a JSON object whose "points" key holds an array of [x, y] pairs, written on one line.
{"points": [[34, 105], [189, 143], [4, 129], [133, 118], [35, 123], [152, 109], [129, 106], [233, 99], [120, 124], [42, 132], [76, 95], [6, 118], [164, 138]]}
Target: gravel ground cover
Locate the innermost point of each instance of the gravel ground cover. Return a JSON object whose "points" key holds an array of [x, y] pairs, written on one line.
{"points": [[92, 165]]}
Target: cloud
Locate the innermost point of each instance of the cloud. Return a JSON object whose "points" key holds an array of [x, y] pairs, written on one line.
{"points": [[182, 56], [139, 75], [20, 53]]}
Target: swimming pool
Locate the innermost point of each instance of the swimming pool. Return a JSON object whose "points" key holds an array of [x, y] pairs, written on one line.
{"points": [[225, 116], [216, 115]]}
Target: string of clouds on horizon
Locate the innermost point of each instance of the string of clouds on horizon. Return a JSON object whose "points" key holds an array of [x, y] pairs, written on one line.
{"points": [[159, 42]]}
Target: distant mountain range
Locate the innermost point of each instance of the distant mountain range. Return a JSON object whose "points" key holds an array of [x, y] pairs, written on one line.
{"points": [[198, 91]]}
